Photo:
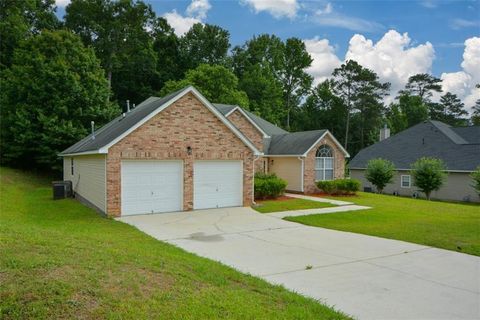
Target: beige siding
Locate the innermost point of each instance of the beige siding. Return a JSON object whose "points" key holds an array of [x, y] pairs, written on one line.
{"points": [[456, 187], [289, 169], [88, 178]]}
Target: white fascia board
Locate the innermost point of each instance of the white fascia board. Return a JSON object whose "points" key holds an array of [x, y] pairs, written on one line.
{"points": [[265, 135], [148, 117], [283, 155], [81, 153], [347, 155], [224, 120]]}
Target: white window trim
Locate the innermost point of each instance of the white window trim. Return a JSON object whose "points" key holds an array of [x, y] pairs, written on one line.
{"points": [[324, 169], [409, 181]]}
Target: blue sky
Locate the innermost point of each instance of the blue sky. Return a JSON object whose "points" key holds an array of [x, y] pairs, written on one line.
{"points": [[394, 38]]}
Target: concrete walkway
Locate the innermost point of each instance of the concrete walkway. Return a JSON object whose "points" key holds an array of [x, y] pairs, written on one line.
{"points": [[319, 199], [364, 276], [307, 212]]}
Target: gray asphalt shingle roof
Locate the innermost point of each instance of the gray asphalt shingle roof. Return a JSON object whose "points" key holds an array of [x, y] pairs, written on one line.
{"points": [[119, 125], [269, 128], [280, 142], [459, 148], [295, 143]]}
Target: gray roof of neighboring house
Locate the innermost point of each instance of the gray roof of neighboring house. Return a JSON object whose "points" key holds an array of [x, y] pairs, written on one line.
{"points": [[295, 143], [458, 147], [119, 125], [269, 128]]}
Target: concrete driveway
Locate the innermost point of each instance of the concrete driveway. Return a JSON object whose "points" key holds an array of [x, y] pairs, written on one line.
{"points": [[366, 277]]}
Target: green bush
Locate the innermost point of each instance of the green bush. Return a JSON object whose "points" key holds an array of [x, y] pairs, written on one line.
{"points": [[380, 173], [476, 179], [268, 186], [340, 186], [428, 174]]}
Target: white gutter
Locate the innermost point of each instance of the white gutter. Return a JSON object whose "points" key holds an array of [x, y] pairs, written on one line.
{"points": [[253, 180], [302, 159]]}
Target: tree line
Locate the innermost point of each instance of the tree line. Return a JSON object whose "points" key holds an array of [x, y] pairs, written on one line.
{"points": [[58, 75]]}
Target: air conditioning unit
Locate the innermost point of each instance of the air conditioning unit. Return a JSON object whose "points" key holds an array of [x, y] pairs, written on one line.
{"points": [[62, 189]]}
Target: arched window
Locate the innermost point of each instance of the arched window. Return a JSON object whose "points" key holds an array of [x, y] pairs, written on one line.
{"points": [[324, 163]]}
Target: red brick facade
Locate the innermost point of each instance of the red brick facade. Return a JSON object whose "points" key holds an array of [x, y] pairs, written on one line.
{"points": [[252, 133], [309, 185], [186, 123]]}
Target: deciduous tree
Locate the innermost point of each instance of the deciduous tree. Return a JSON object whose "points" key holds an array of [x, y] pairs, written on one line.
{"points": [[428, 174], [52, 91], [380, 173]]}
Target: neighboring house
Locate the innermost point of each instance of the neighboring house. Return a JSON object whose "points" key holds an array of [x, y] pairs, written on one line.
{"points": [[181, 152], [458, 147]]}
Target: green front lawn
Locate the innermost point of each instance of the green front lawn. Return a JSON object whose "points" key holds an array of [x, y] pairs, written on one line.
{"points": [[60, 259], [268, 206], [451, 226]]}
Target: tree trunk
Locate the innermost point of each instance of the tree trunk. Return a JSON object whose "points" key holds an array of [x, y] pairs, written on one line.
{"points": [[428, 195]]}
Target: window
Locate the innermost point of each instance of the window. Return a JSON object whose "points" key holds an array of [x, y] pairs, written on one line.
{"points": [[324, 163], [71, 165], [405, 181]]}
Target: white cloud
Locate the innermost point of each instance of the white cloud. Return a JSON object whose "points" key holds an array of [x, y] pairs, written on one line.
{"points": [[198, 9], [462, 83], [393, 57], [277, 8], [430, 4], [324, 59], [327, 16], [196, 13], [462, 23], [62, 3]]}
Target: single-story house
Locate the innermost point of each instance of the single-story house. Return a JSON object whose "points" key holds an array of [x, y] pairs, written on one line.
{"points": [[181, 152], [458, 147]]}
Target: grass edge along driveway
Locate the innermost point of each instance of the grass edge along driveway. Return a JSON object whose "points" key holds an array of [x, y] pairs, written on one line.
{"points": [[288, 204], [62, 260], [451, 226]]}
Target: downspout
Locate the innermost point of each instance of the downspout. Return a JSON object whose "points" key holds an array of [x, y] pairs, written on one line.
{"points": [[302, 159], [253, 182]]}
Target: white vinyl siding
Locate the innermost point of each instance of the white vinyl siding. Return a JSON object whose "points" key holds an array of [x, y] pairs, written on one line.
{"points": [[88, 179], [289, 169]]}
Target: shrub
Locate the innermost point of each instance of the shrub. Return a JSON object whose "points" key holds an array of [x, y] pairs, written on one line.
{"points": [[328, 186], [268, 186], [428, 174], [340, 186], [476, 179], [380, 173]]}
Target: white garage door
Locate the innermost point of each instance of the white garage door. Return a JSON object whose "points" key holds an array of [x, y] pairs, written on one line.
{"points": [[217, 184], [151, 186]]}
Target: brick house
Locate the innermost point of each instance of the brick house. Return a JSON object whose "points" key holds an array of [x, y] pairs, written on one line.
{"points": [[181, 152]]}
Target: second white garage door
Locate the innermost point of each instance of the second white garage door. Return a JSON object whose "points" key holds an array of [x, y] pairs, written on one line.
{"points": [[217, 184], [151, 186]]}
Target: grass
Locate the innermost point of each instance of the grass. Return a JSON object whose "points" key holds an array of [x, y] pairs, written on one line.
{"points": [[59, 259], [268, 206], [452, 226]]}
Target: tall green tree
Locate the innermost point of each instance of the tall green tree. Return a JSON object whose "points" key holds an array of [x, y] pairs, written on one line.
{"points": [[423, 85], [21, 19], [380, 172], [257, 64], [396, 119], [204, 44], [52, 91], [296, 81], [476, 113], [409, 111], [321, 110], [166, 46], [359, 88], [119, 33], [450, 110], [216, 83]]}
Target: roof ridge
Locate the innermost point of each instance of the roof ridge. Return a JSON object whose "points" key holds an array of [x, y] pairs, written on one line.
{"points": [[448, 132]]}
